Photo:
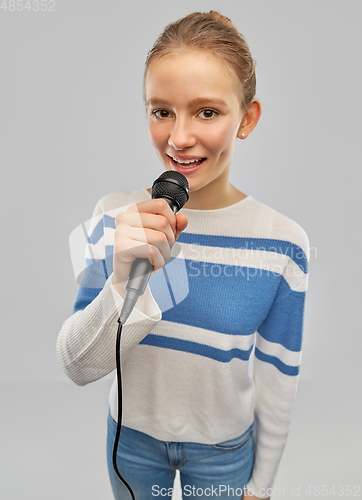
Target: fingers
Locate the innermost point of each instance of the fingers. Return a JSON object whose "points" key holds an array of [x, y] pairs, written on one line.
{"points": [[181, 224], [146, 230], [152, 244], [150, 221], [157, 206]]}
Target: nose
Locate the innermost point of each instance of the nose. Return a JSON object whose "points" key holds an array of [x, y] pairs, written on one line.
{"points": [[181, 136]]}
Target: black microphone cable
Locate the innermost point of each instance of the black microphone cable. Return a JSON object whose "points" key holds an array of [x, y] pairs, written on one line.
{"points": [[119, 419], [127, 308]]}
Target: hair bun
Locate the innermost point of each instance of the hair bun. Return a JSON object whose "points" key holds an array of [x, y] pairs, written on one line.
{"points": [[219, 17]]}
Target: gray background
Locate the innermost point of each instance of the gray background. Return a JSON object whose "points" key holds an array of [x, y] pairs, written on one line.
{"points": [[73, 129]]}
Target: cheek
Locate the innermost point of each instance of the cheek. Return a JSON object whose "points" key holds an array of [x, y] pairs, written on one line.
{"points": [[220, 139], [156, 135]]}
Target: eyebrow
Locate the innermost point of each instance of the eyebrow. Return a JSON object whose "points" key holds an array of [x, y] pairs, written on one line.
{"points": [[156, 101]]}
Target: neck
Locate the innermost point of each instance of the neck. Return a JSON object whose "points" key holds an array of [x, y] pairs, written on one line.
{"points": [[213, 198]]}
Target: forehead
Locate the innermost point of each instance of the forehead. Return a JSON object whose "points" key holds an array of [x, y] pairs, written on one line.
{"points": [[188, 73]]}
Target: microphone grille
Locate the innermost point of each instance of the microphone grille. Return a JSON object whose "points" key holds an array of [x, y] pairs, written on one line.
{"points": [[173, 185], [172, 174]]}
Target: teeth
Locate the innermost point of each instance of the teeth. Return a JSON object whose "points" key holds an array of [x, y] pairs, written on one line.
{"points": [[185, 162]]}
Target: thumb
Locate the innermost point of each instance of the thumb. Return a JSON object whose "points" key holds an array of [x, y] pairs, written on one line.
{"points": [[181, 224]]}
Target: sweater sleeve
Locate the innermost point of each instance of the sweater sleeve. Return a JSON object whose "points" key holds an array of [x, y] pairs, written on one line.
{"points": [[278, 350], [87, 340]]}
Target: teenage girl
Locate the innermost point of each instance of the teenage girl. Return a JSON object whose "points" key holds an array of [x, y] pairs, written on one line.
{"points": [[189, 401]]}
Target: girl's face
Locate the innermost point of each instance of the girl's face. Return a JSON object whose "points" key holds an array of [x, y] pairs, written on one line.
{"points": [[194, 113]]}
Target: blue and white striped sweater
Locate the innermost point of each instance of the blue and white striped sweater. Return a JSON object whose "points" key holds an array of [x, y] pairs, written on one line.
{"points": [[238, 278]]}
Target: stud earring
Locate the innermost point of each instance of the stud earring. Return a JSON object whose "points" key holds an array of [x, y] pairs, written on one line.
{"points": [[243, 135]]}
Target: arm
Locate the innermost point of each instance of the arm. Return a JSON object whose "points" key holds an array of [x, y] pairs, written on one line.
{"points": [[276, 370], [87, 340]]}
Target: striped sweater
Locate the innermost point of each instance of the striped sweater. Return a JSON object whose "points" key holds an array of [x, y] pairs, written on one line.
{"points": [[214, 343]]}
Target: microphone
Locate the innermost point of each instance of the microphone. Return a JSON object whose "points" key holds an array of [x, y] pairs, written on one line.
{"points": [[174, 188]]}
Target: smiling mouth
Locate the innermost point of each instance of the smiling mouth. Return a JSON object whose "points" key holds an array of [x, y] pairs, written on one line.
{"points": [[187, 163]]}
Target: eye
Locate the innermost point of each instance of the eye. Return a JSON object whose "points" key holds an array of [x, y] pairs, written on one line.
{"points": [[209, 113], [163, 113]]}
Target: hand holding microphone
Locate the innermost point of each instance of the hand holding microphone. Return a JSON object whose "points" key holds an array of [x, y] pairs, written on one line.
{"points": [[145, 235]]}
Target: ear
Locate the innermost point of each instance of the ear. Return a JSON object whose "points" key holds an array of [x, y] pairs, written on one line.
{"points": [[250, 119]]}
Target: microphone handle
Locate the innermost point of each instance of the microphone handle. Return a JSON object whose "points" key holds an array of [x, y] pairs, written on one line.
{"points": [[139, 275]]}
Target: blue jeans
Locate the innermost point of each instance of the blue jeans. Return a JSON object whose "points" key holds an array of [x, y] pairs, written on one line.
{"points": [[207, 471]]}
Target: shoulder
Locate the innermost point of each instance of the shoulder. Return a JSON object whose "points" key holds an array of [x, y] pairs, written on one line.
{"points": [[277, 226]]}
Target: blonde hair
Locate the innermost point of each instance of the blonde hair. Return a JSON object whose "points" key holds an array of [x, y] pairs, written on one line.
{"points": [[215, 33]]}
